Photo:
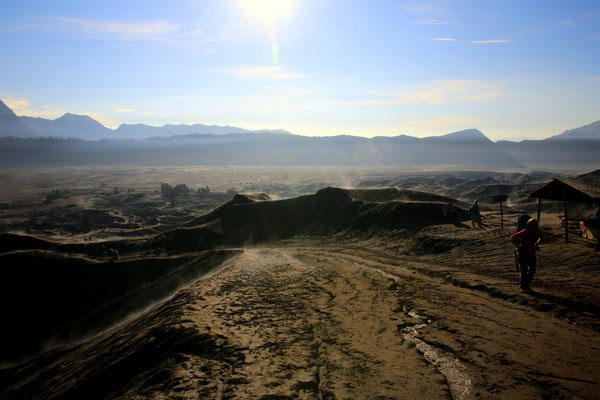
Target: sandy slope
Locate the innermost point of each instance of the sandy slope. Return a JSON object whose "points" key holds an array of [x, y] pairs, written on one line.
{"points": [[306, 321]]}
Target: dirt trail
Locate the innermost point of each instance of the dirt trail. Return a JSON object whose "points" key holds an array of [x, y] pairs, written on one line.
{"points": [[312, 329], [320, 322], [335, 323]]}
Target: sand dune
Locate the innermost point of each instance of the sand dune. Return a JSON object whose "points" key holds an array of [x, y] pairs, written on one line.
{"points": [[52, 299]]}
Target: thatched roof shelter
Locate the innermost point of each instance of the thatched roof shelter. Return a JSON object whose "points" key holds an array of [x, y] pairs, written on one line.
{"points": [[569, 190], [566, 190]]}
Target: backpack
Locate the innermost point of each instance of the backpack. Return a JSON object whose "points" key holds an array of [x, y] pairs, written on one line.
{"points": [[522, 222]]}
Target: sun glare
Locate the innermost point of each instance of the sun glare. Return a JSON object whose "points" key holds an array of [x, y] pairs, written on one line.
{"points": [[268, 12]]}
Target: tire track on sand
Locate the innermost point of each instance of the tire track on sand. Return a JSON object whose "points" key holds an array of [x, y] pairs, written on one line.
{"points": [[311, 328], [507, 350], [453, 370]]}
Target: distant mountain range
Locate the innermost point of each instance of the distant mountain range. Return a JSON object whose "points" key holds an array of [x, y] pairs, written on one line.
{"points": [[466, 148], [78, 140], [591, 131], [86, 128]]}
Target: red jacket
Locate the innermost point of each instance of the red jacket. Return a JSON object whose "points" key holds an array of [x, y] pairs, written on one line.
{"points": [[526, 240]]}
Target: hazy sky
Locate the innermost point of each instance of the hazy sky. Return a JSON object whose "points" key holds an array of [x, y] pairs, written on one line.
{"points": [[513, 69]]}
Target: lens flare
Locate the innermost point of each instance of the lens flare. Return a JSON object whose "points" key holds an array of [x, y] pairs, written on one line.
{"points": [[270, 15]]}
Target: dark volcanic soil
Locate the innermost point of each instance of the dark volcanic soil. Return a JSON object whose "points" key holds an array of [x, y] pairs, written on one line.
{"points": [[343, 321], [358, 294]]}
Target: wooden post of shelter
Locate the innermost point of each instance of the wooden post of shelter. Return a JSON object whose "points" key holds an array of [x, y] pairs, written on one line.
{"points": [[500, 198], [539, 208]]}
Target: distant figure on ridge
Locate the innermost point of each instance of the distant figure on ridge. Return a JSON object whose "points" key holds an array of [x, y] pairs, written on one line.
{"points": [[114, 253], [449, 212], [527, 241], [475, 215], [448, 208], [160, 243]]}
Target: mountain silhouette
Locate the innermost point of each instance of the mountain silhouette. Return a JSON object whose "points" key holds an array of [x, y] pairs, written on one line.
{"points": [[80, 140], [138, 131], [11, 125], [590, 131], [467, 136], [70, 125], [146, 131], [85, 127]]}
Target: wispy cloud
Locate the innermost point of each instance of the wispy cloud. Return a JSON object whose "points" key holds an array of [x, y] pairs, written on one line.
{"points": [[94, 29], [491, 41], [259, 72], [450, 91], [133, 110], [433, 125], [156, 30], [434, 92], [433, 22], [104, 120], [443, 39], [595, 78], [580, 18], [21, 106], [14, 103]]}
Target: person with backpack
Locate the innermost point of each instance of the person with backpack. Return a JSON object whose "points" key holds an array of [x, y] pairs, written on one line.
{"points": [[521, 224], [527, 241], [475, 215]]}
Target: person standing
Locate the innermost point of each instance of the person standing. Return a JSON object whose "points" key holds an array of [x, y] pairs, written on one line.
{"points": [[527, 241], [475, 215], [160, 243]]}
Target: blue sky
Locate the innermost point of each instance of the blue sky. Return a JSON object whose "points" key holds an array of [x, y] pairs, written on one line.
{"points": [[513, 69]]}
